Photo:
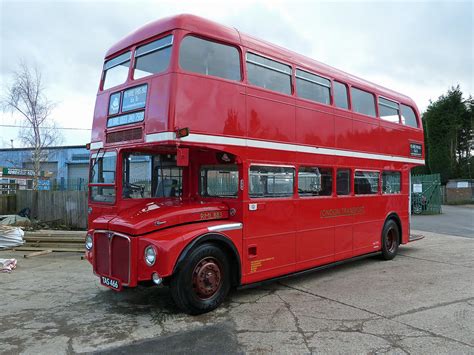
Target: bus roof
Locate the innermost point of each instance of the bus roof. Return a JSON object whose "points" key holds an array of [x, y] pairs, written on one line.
{"points": [[213, 29]]}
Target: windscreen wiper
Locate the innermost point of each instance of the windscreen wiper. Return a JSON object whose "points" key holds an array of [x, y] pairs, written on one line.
{"points": [[95, 161]]}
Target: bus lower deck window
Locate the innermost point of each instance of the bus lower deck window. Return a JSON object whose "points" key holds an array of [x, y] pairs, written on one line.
{"points": [[366, 182], [271, 181], [343, 182], [391, 182], [314, 181]]}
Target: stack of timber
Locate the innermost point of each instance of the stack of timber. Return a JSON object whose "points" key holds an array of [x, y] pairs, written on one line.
{"points": [[54, 240]]}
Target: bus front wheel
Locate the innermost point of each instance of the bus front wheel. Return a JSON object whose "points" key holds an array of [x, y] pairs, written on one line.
{"points": [[203, 282], [390, 240]]}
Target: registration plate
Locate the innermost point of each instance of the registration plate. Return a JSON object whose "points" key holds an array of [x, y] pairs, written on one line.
{"points": [[114, 284]]}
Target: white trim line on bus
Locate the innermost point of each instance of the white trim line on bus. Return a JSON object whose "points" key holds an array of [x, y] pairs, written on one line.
{"points": [[96, 145], [160, 137], [225, 227], [243, 142]]}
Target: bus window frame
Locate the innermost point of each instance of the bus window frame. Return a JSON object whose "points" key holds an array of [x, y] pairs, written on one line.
{"points": [[313, 72], [417, 118], [400, 192], [144, 43], [374, 96], [392, 100], [369, 171], [292, 196], [180, 69], [351, 182], [348, 95], [239, 178], [116, 55], [333, 177], [292, 74], [99, 184]]}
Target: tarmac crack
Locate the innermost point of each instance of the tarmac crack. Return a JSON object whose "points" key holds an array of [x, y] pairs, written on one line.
{"points": [[421, 309], [297, 322], [431, 333]]}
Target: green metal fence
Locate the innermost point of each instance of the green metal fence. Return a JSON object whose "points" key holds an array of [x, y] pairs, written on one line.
{"points": [[426, 194]]}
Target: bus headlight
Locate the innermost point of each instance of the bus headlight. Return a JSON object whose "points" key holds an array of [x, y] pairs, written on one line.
{"points": [[89, 241], [150, 255]]}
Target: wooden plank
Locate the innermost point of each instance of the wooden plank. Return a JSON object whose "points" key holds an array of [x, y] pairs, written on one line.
{"points": [[54, 245], [38, 253], [55, 233], [53, 249], [54, 239]]}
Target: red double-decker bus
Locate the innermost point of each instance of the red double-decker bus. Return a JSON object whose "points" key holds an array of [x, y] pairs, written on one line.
{"points": [[219, 160]]}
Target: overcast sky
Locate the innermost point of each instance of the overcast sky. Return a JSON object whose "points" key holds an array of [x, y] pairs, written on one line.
{"points": [[418, 48]]}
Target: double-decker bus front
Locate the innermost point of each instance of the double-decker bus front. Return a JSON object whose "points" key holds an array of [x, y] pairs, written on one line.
{"points": [[152, 205]]}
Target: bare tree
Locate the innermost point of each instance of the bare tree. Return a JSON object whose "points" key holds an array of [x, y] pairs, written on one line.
{"points": [[26, 96]]}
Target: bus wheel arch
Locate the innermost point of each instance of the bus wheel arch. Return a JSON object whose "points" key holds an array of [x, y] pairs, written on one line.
{"points": [[391, 237], [398, 221], [220, 241]]}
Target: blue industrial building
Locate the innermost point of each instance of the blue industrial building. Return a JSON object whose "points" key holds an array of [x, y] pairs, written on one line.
{"points": [[65, 167]]}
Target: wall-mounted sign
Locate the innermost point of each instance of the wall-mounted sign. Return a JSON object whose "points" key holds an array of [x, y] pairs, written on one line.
{"points": [[17, 171], [462, 184], [416, 149]]}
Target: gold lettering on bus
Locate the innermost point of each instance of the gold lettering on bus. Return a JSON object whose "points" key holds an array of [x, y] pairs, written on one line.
{"points": [[342, 212], [256, 264], [210, 215]]}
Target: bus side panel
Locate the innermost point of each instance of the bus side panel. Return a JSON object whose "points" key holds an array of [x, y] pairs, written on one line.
{"points": [[392, 133], [269, 238], [200, 105], [309, 120], [314, 232], [343, 239], [270, 116], [368, 226], [365, 133], [342, 128], [159, 96]]}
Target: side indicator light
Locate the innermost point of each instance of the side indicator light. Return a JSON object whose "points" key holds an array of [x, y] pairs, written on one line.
{"points": [[182, 132]]}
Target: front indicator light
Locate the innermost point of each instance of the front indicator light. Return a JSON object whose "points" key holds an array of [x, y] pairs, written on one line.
{"points": [[150, 255], [156, 278], [89, 242]]}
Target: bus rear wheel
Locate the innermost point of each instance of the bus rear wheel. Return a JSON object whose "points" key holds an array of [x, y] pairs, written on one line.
{"points": [[203, 282], [390, 240]]}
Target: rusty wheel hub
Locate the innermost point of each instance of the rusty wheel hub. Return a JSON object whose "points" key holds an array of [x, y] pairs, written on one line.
{"points": [[207, 278]]}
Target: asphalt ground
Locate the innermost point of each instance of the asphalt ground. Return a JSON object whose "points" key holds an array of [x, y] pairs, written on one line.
{"points": [[421, 302], [455, 220]]}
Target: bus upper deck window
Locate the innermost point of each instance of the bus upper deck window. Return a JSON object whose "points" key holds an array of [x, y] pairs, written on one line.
{"points": [[340, 95], [408, 116], [116, 70], [205, 57], [153, 58]]}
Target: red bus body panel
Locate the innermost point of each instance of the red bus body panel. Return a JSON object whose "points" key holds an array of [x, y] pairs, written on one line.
{"points": [[278, 235]]}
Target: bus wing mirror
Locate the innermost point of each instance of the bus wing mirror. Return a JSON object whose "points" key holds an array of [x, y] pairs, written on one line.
{"points": [[182, 157]]}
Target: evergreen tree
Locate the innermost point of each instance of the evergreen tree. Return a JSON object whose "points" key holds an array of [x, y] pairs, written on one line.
{"points": [[448, 124]]}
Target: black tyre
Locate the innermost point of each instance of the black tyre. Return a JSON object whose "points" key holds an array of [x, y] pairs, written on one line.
{"points": [[390, 240], [203, 281]]}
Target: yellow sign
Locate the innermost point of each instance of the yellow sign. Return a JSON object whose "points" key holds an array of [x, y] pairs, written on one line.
{"points": [[256, 264]]}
